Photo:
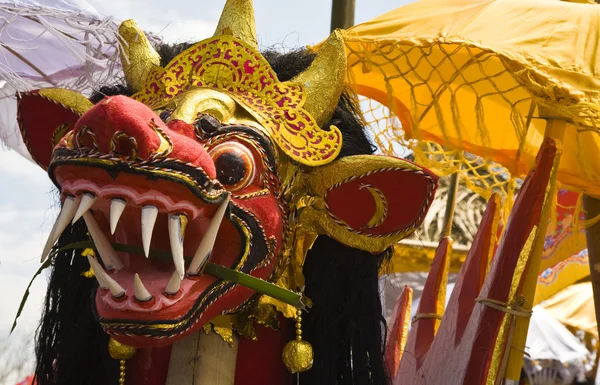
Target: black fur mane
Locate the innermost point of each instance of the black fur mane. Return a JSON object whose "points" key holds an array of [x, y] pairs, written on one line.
{"points": [[345, 325]]}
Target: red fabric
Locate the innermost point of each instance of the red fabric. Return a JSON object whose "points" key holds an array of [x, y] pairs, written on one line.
{"points": [[259, 362], [393, 345], [28, 381], [423, 331], [38, 118], [149, 367], [408, 195], [465, 360]]}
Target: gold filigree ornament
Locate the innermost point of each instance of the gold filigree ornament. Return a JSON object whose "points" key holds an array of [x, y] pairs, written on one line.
{"points": [[291, 112]]}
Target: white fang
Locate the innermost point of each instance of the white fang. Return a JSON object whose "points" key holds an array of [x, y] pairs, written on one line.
{"points": [[139, 290], [116, 209], [177, 225], [87, 201], [208, 241], [99, 272], [107, 253], [115, 289], [173, 284], [66, 215], [149, 214]]}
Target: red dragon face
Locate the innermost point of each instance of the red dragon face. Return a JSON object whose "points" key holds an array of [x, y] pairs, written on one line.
{"points": [[213, 163], [191, 192]]}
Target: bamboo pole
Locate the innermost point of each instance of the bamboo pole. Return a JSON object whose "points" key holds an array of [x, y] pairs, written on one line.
{"points": [[555, 128], [450, 206], [203, 359], [591, 207], [342, 14]]}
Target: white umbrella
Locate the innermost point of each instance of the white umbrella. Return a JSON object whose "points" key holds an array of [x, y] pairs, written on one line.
{"points": [[555, 354], [52, 43]]}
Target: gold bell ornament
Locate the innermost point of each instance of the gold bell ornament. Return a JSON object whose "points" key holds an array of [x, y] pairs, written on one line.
{"points": [[120, 352], [298, 354]]}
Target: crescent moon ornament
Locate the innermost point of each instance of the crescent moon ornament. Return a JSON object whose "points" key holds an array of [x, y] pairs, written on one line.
{"points": [[381, 206]]}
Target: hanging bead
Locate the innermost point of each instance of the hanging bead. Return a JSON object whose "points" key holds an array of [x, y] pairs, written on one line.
{"points": [[298, 354], [121, 352]]}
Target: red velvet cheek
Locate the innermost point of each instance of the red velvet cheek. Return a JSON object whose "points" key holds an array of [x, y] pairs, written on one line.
{"points": [[38, 119], [406, 195], [267, 212]]}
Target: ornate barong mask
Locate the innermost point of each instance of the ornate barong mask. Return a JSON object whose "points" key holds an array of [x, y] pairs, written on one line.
{"points": [[213, 160]]}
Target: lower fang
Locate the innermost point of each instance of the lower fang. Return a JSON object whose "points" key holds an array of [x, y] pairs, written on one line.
{"points": [[173, 284], [139, 290], [115, 289]]}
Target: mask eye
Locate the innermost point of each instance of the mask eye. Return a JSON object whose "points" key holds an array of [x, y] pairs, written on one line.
{"points": [[235, 165]]}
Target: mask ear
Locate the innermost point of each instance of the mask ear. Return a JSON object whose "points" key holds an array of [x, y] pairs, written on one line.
{"points": [[45, 116], [366, 201]]}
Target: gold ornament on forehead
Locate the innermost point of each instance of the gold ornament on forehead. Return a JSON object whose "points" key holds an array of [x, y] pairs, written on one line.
{"points": [[291, 112]]}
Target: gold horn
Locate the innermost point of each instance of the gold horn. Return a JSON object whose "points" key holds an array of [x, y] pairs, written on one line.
{"points": [[324, 79], [137, 55], [237, 19]]}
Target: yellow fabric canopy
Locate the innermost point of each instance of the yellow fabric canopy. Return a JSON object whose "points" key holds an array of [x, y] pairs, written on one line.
{"points": [[482, 76], [574, 306], [562, 275]]}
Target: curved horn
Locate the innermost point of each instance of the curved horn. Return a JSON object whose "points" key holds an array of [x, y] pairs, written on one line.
{"points": [[137, 56], [324, 79], [237, 19]]}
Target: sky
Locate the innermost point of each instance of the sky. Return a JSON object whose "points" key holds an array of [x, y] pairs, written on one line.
{"points": [[28, 203]]}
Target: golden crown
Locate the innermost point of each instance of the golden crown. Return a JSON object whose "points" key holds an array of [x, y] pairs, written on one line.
{"points": [[292, 112]]}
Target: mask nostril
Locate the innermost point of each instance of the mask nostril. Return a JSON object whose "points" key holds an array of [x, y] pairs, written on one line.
{"points": [[85, 138], [123, 145]]}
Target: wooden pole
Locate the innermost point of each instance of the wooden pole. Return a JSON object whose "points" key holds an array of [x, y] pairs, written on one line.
{"points": [[592, 234], [342, 14], [555, 128], [203, 359], [450, 206]]}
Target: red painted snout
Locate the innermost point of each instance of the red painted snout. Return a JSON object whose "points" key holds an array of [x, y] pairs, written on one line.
{"points": [[119, 119]]}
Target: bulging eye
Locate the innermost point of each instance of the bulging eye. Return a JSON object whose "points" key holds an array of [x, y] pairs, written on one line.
{"points": [[234, 164]]}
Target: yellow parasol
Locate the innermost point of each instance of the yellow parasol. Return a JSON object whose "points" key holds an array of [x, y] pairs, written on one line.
{"points": [[485, 76], [490, 78], [574, 306]]}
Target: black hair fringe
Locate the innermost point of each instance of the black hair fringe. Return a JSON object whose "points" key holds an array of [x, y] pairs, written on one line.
{"points": [[71, 347], [345, 326]]}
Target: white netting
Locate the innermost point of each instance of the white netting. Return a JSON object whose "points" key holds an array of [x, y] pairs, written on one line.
{"points": [[53, 45]]}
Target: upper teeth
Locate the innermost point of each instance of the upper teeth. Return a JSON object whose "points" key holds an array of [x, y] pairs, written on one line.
{"points": [[107, 253], [77, 207], [66, 215], [208, 241], [116, 209], [149, 214], [177, 224], [87, 201]]}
